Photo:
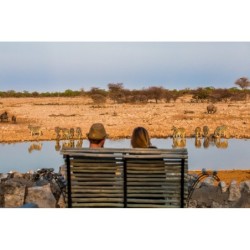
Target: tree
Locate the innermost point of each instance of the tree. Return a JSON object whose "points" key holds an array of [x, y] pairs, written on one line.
{"points": [[155, 93], [116, 91], [243, 82], [98, 96], [98, 99]]}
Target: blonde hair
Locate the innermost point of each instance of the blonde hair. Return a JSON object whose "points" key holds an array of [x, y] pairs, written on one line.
{"points": [[140, 138]]}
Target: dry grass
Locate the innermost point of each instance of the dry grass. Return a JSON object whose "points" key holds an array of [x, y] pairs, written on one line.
{"points": [[119, 119]]}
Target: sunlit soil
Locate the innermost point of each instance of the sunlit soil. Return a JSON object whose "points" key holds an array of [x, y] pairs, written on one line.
{"points": [[119, 119], [229, 175]]}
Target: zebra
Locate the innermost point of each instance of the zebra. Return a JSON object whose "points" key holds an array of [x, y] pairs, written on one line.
{"points": [[65, 133], [79, 143], [178, 132], [197, 132], [205, 131], [78, 133], [35, 130], [221, 131], [57, 130], [71, 133]]}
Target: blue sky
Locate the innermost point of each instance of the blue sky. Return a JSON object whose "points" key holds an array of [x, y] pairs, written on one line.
{"points": [[57, 66]]}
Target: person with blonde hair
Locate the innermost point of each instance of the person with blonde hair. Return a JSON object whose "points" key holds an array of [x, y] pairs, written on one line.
{"points": [[140, 138]]}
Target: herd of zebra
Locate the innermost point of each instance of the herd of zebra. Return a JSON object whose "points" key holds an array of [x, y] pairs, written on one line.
{"points": [[220, 131], [179, 137], [67, 134], [71, 133]]}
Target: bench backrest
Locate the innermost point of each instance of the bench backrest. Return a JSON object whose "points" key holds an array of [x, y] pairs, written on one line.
{"points": [[126, 177]]}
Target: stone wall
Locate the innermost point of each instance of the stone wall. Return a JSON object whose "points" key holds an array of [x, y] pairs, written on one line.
{"points": [[46, 189], [43, 189], [209, 194]]}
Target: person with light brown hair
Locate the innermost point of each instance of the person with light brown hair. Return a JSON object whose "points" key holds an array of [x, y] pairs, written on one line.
{"points": [[97, 135], [140, 138]]}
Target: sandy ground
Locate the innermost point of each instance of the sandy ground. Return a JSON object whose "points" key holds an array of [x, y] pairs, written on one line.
{"points": [[121, 119], [229, 175]]}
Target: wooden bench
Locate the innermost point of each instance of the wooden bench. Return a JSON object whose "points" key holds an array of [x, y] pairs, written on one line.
{"points": [[126, 177]]}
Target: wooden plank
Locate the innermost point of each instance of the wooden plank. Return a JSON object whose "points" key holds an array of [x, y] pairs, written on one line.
{"points": [[153, 195], [152, 201], [102, 199], [145, 201], [97, 195], [151, 206], [135, 183], [143, 179], [97, 187], [96, 179], [98, 175], [124, 150], [93, 205]]}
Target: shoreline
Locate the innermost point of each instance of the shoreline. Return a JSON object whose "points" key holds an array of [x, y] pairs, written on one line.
{"points": [[110, 138]]}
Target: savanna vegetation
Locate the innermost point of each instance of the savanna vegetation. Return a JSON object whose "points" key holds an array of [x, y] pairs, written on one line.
{"points": [[119, 94]]}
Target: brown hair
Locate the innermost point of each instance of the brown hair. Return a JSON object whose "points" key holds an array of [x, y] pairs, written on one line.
{"points": [[140, 138]]}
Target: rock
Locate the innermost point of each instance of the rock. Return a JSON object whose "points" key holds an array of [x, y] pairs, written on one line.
{"points": [[3, 177], [61, 202], [42, 196], [245, 186], [192, 204], [41, 182], [244, 201], [216, 205], [209, 181], [63, 171], [21, 181], [13, 194], [207, 194], [234, 192], [17, 175], [223, 186]]}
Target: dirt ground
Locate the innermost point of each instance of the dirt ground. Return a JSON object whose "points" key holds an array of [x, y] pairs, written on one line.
{"points": [[229, 175], [119, 119]]}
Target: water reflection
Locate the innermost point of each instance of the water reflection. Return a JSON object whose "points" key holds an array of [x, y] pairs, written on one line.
{"points": [[197, 142], [207, 141], [68, 144], [179, 142], [176, 143], [221, 143], [57, 146], [212, 154], [35, 146]]}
